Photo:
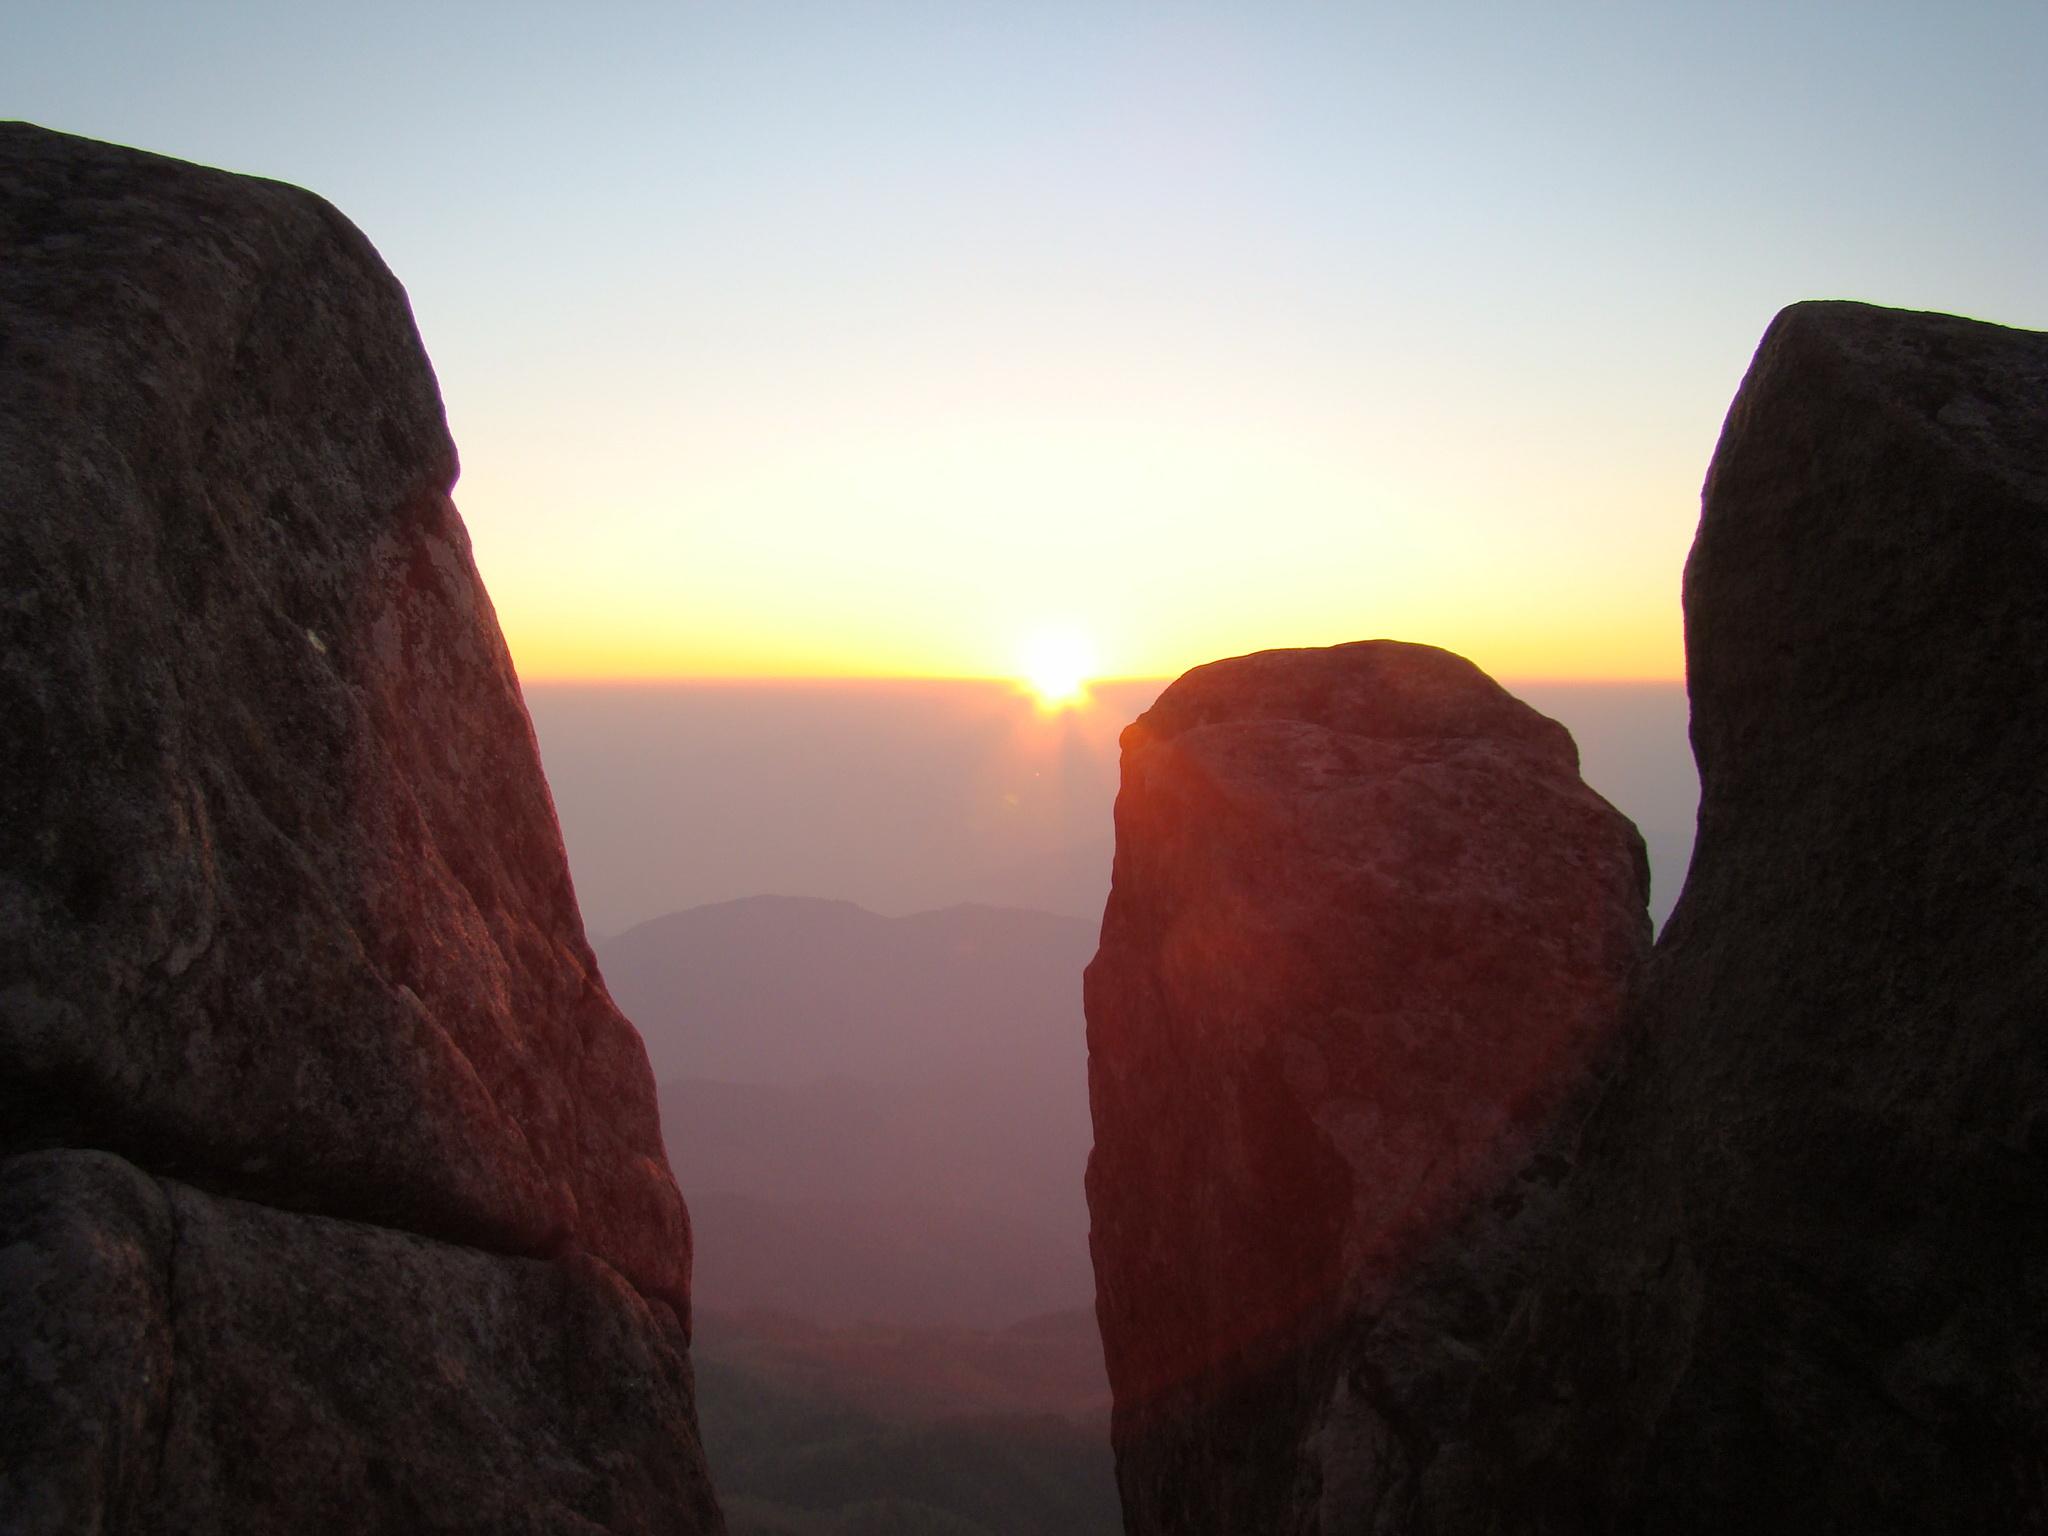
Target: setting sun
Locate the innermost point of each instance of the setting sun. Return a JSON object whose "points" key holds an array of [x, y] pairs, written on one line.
{"points": [[1057, 661]]}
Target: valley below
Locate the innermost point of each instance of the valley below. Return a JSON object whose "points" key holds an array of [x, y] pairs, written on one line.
{"points": [[896, 1330]]}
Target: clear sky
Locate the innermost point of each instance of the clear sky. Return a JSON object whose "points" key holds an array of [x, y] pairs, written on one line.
{"points": [[871, 338]]}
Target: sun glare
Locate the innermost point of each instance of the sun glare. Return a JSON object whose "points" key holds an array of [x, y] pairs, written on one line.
{"points": [[1057, 663]]}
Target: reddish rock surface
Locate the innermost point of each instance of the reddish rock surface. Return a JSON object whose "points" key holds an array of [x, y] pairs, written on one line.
{"points": [[332, 1192], [1368, 929], [283, 904]]}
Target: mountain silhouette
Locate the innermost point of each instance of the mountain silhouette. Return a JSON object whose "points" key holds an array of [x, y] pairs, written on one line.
{"points": [[876, 1119]]}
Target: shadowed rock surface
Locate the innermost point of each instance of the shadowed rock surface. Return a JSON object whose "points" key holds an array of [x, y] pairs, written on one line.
{"points": [[1804, 1278], [267, 773], [284, 914], [206, 1364], [1368, 934]]}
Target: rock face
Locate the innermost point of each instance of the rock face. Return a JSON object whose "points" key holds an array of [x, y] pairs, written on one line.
{"points": [[1368, 935], [1783, 1264], [286, 931], [1803, 1277], [268, 775], [197, 1363]]}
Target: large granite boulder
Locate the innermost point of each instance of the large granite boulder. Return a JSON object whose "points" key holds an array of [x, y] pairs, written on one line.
{"points": [[1803, 1282], [1368, 936], [377, 1231], [283, 905]]}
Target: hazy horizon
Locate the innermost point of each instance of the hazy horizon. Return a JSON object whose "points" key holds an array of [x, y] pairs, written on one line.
{"points": [[904, 795]]}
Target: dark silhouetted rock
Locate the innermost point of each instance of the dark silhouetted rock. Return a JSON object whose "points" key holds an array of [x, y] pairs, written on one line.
{"points": [[1368, 935], [1803, 1282], [204, 1364], [283, 906], [378, 1233]]}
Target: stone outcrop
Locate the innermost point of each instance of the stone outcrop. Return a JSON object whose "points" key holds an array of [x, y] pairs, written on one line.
{"points": [[1781, 1264], [1368, 936], [1803, 1275], [287, 937]]}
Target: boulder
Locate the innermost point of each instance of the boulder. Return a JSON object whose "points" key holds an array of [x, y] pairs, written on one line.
{"points": [[1369, 934], [1802, 1281], [332, 1190], [283, 904]]}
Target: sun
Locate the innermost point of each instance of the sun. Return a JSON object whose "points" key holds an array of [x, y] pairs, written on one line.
{"points": [[1057, 661]]}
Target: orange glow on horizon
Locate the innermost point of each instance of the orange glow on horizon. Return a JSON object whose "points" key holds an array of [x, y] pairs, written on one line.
{"points": [[646, 636], [929, 538], [557, 653]]}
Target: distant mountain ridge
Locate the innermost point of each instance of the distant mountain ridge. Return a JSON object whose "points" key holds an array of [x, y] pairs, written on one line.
{"points": [[881, 1125], [1044, 1365], [877, 1119], [791, 989], [906, 1430]]}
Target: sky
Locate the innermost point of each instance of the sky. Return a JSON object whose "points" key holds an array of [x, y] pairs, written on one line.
{"points": [[877, 339]]}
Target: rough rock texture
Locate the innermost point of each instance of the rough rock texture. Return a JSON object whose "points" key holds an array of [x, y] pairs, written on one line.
{"points": [[267, 775], [205, 1364], [1368, 934], [1803, 1283], [377, 1232]]}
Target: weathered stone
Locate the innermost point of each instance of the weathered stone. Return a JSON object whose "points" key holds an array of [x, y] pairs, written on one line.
{"points": [[1368, 934], [286, 930], [174, 1362], [85, 1342], [283, 905], [1802, 1282]]}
